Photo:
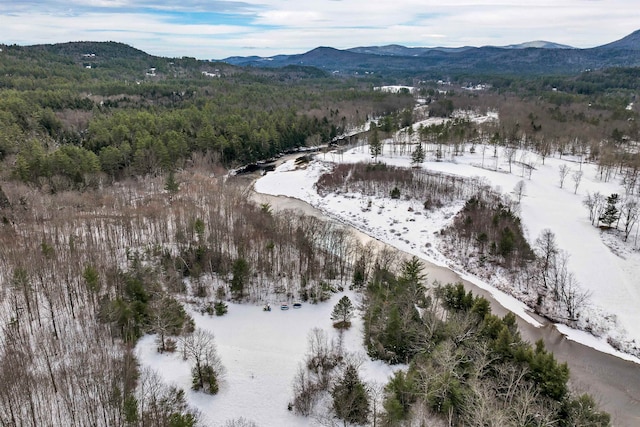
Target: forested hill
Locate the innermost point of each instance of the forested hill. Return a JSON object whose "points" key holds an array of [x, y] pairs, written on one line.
{"points": [[99, 50], [72, 112]]}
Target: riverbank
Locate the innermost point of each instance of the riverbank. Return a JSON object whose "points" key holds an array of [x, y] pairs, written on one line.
{"points": [[614, 382]]}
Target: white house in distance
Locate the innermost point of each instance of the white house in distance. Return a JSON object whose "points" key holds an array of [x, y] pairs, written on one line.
{"points": [[395, 89]]}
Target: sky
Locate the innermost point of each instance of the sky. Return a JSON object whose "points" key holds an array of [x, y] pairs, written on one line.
{"points": [[216, 29]]}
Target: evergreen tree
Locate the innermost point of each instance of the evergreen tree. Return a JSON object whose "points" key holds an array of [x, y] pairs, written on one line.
{"points": [[395, 193], [171, 185], [582, 410], [350, 398], [375, 145], [417, 156], [412, 272], [611, 212], [400, 393], [342, 313], [240, 271], [359, 273], [207, 369], [204, 378]]}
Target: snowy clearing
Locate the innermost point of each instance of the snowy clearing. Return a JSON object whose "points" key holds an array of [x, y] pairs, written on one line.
{"points": [[261, 352]]}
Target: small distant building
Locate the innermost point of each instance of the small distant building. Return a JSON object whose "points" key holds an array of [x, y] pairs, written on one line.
{"points": [[395, 89]]}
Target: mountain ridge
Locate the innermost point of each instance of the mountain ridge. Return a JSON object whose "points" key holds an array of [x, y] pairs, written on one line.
{"points": [[390, 61], [530, 58]]}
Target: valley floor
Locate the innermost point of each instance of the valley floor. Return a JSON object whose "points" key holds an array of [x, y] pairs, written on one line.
{"points": [[261, 351]]}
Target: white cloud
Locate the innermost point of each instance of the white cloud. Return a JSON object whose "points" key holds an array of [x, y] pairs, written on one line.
{"points": [[269, 27]]}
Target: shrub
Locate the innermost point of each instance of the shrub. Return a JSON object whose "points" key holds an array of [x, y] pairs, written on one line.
{"points": [[395, 193], [220, 308]]}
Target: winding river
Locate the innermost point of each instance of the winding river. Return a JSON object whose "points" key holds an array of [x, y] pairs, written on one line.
{"points": [[614, 382]]}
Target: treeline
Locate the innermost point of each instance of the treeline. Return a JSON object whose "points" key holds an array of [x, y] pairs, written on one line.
{"points": [[488, 228], [487, 235], [589, 82], [544, 115], [381, 180]]}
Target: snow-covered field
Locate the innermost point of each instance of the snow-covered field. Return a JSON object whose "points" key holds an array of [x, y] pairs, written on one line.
{"points": [[261, 352], [610, 277]]}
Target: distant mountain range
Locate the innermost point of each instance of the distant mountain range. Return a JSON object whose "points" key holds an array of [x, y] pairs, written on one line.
{"points": [[388, 62], [399, 50], [532, 58]]}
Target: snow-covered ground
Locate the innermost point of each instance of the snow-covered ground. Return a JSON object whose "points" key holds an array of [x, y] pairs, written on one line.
{"points": [[610, 277], [261, 352]]}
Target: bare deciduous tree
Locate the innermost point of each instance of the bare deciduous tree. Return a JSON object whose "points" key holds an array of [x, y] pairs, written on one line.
{"points": [[563, 171], [577, 177], [630, 210], [519, 189], [200, 347]]}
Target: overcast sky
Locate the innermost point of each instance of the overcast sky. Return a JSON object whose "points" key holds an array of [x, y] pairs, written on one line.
{"points": [[217, 29]]}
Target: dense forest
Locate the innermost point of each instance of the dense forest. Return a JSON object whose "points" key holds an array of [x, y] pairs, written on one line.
{"points": [[65, 125], [117, 208]]}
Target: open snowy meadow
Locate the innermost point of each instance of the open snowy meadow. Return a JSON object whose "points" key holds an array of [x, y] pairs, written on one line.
{"points": [[261, 352]]}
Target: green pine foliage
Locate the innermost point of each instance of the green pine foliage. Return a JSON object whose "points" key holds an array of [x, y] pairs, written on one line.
{"points": [[240, 271], [205, 379], [220, 308], [459, 353], [418, 155], [342, 313], [350, 397], [611, 213], [375, 144], [395, 193], [400, 393], [171, 184], [392, 321], [140, 306], [126, 129], [487, 223]]}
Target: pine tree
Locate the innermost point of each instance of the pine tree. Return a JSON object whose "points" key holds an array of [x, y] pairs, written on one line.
{"points": [[611, 212], [342, 313], [417, 156], [207, 369], [171, 185], [350, 398], [204, 378], [375, 145], [240, 272]]}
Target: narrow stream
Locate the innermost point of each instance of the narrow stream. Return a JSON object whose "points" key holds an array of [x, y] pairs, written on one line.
{"points": [[613, 382]]}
